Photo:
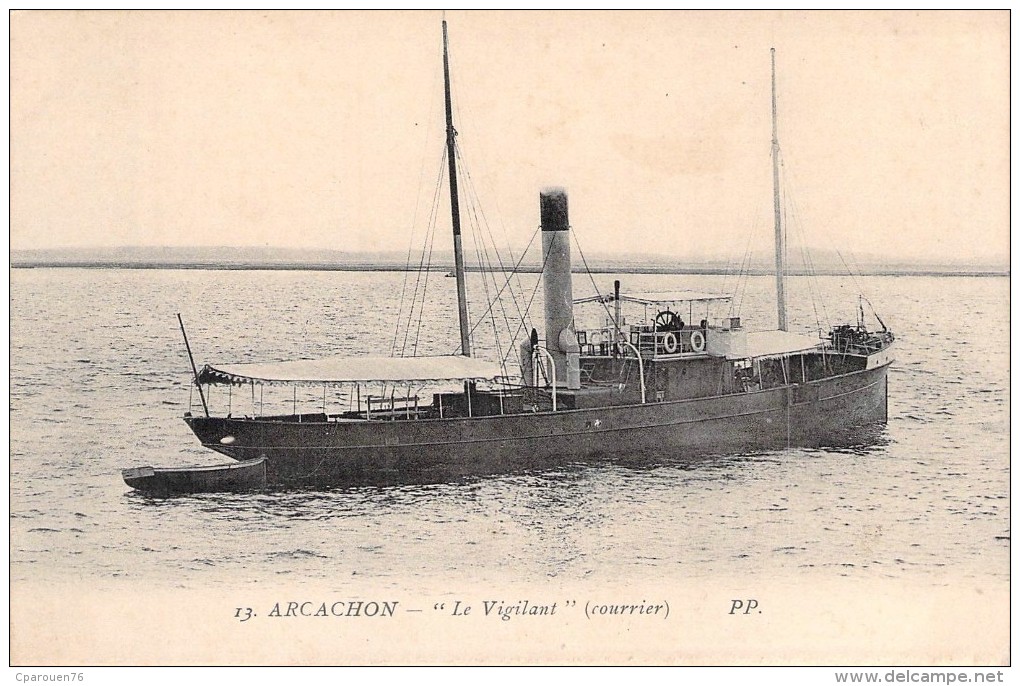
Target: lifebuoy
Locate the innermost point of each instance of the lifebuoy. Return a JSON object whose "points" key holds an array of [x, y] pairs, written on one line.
{"points": [[669, 343], [697, 341]]}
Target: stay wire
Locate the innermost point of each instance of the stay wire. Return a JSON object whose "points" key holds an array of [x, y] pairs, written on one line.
{"points": [[484, 220], [792, 182], [430, 230], [516, 271], [534, 291], [417, 204], [602, 302], [482, 262], [429, 240], [481, 252]]}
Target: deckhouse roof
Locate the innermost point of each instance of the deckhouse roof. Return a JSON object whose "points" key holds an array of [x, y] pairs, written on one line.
{"points": [[774, 344]]}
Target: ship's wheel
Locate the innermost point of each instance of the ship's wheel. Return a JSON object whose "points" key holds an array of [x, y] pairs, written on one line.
{"points": [[668, 321]]}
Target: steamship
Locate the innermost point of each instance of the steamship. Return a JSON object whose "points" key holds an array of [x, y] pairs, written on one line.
{"points": [[680, 382]]}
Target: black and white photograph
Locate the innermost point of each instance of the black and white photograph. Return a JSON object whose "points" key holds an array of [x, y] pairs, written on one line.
{"points": [[355, 338]]}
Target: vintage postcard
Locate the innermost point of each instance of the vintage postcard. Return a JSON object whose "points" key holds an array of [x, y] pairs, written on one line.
{"points": [[509, 338]]}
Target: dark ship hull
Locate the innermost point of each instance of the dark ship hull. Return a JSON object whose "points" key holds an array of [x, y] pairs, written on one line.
{"points": [[656, 389], [319, 452]]}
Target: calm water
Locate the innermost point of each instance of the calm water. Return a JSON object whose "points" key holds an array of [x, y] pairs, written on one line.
{"points": [[99, 381]]}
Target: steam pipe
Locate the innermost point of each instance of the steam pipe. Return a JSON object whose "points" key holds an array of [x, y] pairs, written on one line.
{"points": [[552, 372]]}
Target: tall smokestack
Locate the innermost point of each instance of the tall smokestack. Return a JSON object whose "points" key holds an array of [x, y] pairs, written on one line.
{"points": [[560, 339]]}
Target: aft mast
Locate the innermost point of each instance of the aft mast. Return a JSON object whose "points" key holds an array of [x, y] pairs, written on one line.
{"points": [[458, 253], [780, 234]]}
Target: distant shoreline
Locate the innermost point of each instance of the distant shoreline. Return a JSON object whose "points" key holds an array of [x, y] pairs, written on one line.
{"points": [[525, 269]]}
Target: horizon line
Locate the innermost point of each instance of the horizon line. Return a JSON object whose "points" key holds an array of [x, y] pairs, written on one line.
{"points": [[522, 269]]}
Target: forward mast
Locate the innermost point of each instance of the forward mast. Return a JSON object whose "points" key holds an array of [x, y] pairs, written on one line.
{"points": [[458, 252], [777, 207]]}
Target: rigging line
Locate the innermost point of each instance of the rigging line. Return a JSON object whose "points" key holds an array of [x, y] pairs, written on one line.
{"points": [[429, 237], [746, 265], [730, 280], [403, 291], [516, 268], [502, 305], [515, 273], [506, 239], [794, 217], [748, 268], [729, 273], [538, 282], [484, 221], [874, 312], [812, 285], [793, 181], [740, 287], [417, 203], [430, 230], [492, 319], [846, 266], [616, 332], [849, 271], [424, 289], [486, 275], [850, 267], [860, 272], [502, 269], [744, 276], [483, 264], [422, 268], [482, 251], [506, 319]]}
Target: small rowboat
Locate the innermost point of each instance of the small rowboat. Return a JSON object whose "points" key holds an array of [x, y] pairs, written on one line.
{"points": [[249, 475]]}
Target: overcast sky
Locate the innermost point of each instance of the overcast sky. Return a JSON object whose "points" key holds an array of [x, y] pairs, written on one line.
{"points": [[325, 129]]}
